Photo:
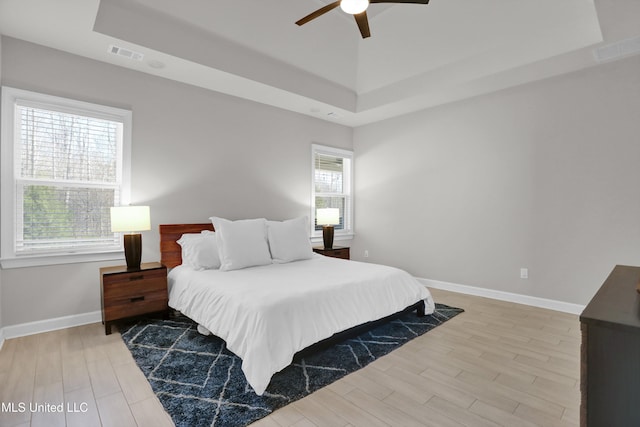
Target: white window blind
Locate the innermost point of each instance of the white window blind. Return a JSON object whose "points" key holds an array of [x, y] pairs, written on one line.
{"points": [[67, 171], [332, 186]]}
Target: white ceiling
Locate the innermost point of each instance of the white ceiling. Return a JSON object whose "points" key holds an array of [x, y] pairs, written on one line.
{"points": [[418, 55]]}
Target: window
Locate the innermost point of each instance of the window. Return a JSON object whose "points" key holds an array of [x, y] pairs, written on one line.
{"points": [[64, 164], [331, 187]]}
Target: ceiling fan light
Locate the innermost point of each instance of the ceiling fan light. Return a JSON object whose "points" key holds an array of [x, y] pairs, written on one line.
{"points": [[354, 7]]}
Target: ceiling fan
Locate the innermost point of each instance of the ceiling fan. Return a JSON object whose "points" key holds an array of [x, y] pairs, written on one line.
{"points": [[357, 8]]}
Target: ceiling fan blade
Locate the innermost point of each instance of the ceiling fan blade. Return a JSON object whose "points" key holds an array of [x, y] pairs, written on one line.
{"points": [[318, 12], [400, 1], [363, 24]]}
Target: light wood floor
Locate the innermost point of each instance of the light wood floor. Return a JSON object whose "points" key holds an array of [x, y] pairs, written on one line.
{"points": [[497, 364]]}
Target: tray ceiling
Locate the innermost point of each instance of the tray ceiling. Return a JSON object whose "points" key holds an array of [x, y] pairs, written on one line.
{"points": [[418, 55]]}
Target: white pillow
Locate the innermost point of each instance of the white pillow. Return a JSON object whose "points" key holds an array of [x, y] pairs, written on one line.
{"points": [[289, 240], [242, 244], [200, 251]]}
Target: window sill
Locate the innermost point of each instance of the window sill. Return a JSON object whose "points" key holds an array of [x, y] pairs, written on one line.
{"points": [[42, 260], [336, 237]]}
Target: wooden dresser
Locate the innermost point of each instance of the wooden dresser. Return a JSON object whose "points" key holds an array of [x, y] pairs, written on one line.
{"points": [[128, 293], [610, 353]]}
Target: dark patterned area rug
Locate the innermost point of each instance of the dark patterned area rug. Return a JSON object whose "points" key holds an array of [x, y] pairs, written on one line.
{"points": [[200, 382]]}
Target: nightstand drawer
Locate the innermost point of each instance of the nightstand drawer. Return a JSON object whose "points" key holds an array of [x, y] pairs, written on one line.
{"points": [[135, 276], [122, 292], [337, 252], [135, 305]]}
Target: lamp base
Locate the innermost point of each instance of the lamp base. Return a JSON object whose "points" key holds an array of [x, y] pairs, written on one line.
{"points": [[133, 250], [327, 236]]}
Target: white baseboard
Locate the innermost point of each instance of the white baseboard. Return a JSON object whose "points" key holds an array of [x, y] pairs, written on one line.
{"points": [[1, 337], [24, 329], [504, 296]]}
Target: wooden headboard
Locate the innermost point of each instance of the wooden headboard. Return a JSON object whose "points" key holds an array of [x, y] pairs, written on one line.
{"points": [[170, 251]]}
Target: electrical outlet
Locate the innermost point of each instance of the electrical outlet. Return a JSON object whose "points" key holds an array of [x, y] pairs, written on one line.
{"points": [[366, 253], [524, 273]]}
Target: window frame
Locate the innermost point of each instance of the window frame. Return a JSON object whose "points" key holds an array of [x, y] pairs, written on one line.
{"points": [[348, 220], [9, 158]]}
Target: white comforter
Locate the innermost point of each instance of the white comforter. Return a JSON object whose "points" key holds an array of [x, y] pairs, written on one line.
{"points": [[266, 314]]}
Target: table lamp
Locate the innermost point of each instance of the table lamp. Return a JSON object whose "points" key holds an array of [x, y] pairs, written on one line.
{"points": [[131, 220], [328, 217]]}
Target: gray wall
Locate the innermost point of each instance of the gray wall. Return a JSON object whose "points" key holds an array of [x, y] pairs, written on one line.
{"points": [[543, 176], [195, 154]]}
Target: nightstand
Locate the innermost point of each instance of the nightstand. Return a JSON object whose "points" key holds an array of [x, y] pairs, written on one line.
{"points": [[336, 252], [127, 293]]}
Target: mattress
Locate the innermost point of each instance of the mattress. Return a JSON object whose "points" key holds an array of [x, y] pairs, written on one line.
{"points": [[266, 314]]}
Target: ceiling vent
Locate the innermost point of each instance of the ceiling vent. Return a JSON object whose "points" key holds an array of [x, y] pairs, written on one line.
{"points": [[126, 53], [617, 50]]}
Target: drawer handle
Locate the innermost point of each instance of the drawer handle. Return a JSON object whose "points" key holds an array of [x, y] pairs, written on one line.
{"points": [[137, 299], [132, 278]]}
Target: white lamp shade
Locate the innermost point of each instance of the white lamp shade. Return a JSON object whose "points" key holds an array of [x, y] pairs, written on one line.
{"points": [[354, 7], [130, 218], [328, 216]]}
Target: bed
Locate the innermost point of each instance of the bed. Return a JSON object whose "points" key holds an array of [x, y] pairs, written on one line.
{"points": [[267, 314]]}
